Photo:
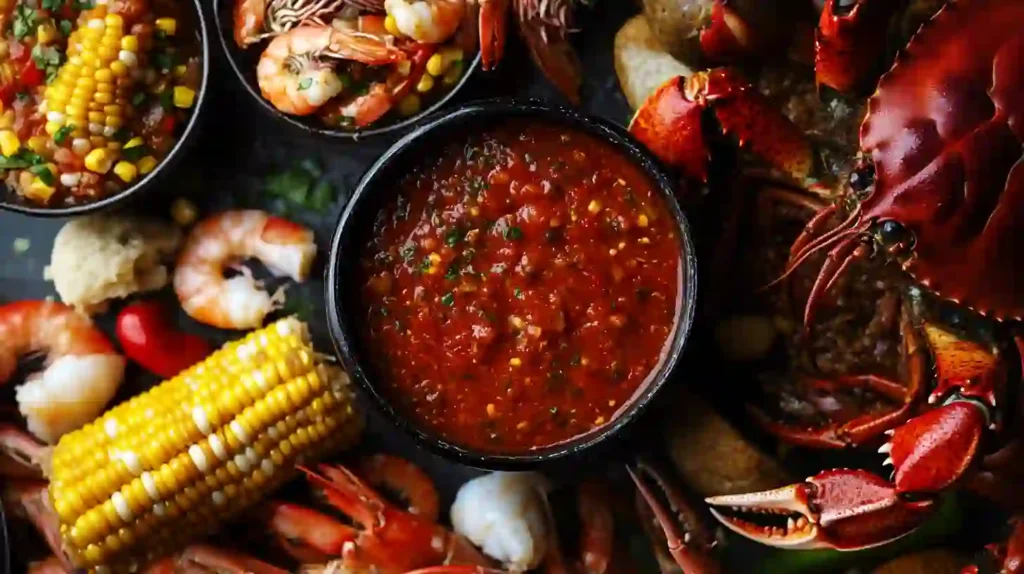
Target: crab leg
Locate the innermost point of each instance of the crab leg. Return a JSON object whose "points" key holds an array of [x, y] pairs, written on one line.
{"points": [[850, 42], [864, 428], [492, 21], [689, 542]]}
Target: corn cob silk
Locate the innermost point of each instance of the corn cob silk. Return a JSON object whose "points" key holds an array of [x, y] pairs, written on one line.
{"points": [[159, 470]]}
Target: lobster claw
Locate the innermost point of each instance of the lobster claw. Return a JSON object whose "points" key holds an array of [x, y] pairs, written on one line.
{"points": [[932, 451], [839, 509], [670, 123]]}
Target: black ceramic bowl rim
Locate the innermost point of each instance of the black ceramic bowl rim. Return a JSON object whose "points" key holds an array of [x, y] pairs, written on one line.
{"points": [[162, 168], [224, 21], [343, 329]]}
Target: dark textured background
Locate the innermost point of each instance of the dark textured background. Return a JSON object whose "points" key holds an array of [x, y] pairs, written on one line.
{"points": [[240, 145]]}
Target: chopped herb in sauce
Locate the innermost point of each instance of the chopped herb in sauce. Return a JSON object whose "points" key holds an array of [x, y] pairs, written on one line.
{"points": [[513, 233], [454, 236], [448, 299]]}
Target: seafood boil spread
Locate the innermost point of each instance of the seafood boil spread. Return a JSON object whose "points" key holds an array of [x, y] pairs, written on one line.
{"points": [[769, 320]]}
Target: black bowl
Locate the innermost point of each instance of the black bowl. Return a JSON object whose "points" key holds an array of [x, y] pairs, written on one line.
{"points": [[12, 202], [377, 188], [243, 62]]}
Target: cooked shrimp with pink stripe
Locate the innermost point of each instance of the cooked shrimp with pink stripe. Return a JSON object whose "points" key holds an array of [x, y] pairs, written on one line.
{"points": [[222, 241]]}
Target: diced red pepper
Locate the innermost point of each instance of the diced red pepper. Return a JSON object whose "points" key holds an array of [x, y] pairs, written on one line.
{"points": [[7, 93], [167, 123], [31, 76], [148, 338]]}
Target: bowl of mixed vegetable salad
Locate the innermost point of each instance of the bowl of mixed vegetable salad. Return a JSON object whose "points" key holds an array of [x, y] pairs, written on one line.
{"points": [[97, 97], [342, 68]]}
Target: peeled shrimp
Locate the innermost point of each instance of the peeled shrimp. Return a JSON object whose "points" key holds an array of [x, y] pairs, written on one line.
{"points": [[218, 241], [83, 371], [505, 514], [294, 76], [432, 21]]}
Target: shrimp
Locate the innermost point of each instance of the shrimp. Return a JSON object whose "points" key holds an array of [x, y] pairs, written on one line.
{"points": [[259, 19], [378, 100], [293, 76], [82, 373], [240, 302], [431, 21]]}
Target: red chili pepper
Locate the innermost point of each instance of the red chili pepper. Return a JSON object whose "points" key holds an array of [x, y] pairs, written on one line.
{"points": [[167, 124], [149, 339], [31, 76]]}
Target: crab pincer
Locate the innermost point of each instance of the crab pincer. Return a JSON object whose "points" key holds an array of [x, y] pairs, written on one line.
{"points": [[674, 520], [671, 124], [850, 41]]}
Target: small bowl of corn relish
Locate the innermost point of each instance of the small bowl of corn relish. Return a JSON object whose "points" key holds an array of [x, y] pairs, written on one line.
{"points": [[97, 97]]}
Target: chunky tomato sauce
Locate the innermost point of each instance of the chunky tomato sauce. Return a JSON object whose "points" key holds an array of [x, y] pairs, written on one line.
{"points": [[521, 288]]}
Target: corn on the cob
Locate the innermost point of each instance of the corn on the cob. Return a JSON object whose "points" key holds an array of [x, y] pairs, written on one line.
{"points": [[90, 91], [169, 465]]}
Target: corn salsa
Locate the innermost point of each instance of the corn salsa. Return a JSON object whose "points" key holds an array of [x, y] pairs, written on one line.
{"points": [[521, 288], [93, 94]]}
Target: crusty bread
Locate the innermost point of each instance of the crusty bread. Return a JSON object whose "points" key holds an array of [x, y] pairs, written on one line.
{"points": [[641, 63], [99, 258]]}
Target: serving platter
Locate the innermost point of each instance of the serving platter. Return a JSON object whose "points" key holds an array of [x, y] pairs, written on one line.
{"points": [[239, 147]]}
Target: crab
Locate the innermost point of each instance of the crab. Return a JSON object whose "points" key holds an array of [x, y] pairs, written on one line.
{"points": [[936, 197]]}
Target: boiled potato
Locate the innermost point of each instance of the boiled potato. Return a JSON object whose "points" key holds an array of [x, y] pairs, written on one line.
{"points": [[641, 63], [676, 25], [712, 457]]}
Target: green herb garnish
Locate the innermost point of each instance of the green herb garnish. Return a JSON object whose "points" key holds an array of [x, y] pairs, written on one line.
{"points": [[448, 300], [305, 83], [518, 293], [135, 153], [47, 59], [43, 173], [301, 186], [453, 270], [454, 235], [424, 265], [138, 98], [513, 233], [62, 134], [51, 5], [165, 61], [20, 160], [65, 27], [25, 21]]}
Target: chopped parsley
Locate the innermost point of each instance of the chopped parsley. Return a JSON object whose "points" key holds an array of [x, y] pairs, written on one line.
{"points": [[135, 153], [25, 21], [305, 83], [44, 174], [138, 98], [165, 61], [81, 5], [62, 134], [453, 270], [47, 59], [518, 293], [513, 233], [65, 27], [448, 300], [424, 265], [453, 237], [20, 160], [302, 186], [51, 5]]}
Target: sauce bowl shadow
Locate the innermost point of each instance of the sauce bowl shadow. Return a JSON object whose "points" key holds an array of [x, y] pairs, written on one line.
{"points": [[346, 315]]}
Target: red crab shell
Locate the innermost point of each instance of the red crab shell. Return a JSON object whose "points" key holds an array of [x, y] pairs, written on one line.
{"points": [[946, 133]]}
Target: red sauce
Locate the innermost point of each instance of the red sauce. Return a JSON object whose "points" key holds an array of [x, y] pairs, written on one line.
{"points": [[521, 288]]}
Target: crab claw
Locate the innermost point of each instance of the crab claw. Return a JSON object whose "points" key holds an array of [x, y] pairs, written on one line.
{"points": [[850, 43], [670, 124], [493, 17], [690, 542], [838, 509]]}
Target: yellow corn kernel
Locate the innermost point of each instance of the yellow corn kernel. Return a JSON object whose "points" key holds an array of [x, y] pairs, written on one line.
{"points": [[134, 142], [515, 362], [642, 221], [7, 120], [113, 521], [147, 164], [436, 65], [126, 171], [104, 76], [179, 71], [594, 206], [391, 25], [130, 43], [410, 105], [39, 190], [37, 144], [99, 160], [425, 84], [183, 97], [114, 21], [167, 25], [453, 74], [9, 143], [46, 33], [102, 98], [114, 122], [119, 68]]}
